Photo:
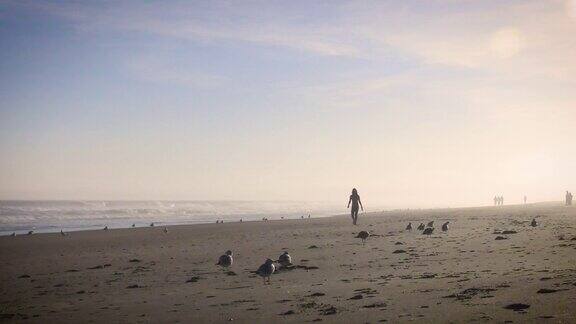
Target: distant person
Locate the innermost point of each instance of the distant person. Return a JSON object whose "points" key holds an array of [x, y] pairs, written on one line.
{"points": [[495, 200], [568, 198], [525, 199], [355, 200]]}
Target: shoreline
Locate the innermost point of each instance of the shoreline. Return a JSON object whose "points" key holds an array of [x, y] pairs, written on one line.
{"points": [[56, 230]]}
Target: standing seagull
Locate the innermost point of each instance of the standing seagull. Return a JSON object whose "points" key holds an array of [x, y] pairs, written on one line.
{"points": [[226, 259], [105, 228], [285, 259], [13, 234], [445, 227], [266, 270], [30, 232], [421, 226], [430, 224], [534, 224], [428, 231], [165, 230], [151, 224], [409, 227], [133, 225], [363, 235], [62, 233]]}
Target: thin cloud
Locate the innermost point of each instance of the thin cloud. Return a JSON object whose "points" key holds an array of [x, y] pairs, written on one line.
{"points": [[153, 70]]}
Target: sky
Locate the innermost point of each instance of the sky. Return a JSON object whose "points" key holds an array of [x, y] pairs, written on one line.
{"points": [[426, 103]]}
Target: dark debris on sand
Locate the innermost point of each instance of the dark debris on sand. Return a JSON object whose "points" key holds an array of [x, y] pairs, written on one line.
{"points": [[517, 307], [290, 312], [375, 305], [329, 311], [470, 292], [548, 291], [317, 294], [307, 267]]}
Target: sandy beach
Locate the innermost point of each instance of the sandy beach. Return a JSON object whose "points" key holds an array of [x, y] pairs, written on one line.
{"points": [[474, 272]]}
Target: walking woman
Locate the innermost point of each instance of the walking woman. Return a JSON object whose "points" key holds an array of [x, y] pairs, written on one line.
{"points": [[355, 200]]}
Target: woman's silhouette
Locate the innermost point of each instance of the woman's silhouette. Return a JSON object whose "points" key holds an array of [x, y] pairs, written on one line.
{"points": [[355, 200]]}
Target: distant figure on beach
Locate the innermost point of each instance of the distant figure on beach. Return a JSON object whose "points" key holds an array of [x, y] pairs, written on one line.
{"points": [[355, 200], [525, 199], [499, 200], [568, 198]]}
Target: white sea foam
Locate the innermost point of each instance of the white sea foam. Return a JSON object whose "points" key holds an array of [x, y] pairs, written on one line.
{"points": [[51, 216]]}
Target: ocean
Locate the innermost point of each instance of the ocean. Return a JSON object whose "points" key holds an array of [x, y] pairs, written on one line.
{"points": [[53, 216]]}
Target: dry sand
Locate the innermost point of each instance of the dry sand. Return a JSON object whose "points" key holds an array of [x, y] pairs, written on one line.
{"points": [[143, 275]]}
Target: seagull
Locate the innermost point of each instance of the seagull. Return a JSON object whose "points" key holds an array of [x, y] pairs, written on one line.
{"points": [[266, 270], [240, 220], [225, 260], [62, 233], [363, 235], [285, 259], [534, 224], [13, 234], [308, 215], [165, 230], [302, 217], [30, 232], [105, 228], [409, 227], [133, 225], [445, 226], [430, 224], [428, 231], [151, 224], [421, 226]]}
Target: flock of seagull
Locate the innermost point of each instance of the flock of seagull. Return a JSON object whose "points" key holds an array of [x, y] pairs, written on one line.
{"points": [[285, 260], [219, 221], [265, 270], [429, 228]]}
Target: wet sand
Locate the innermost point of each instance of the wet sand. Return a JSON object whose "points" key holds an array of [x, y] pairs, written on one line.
{"points": [[144, 275]]}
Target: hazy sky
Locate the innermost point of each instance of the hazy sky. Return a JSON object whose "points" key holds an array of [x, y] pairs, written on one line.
{"points": [[415, 103]]}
